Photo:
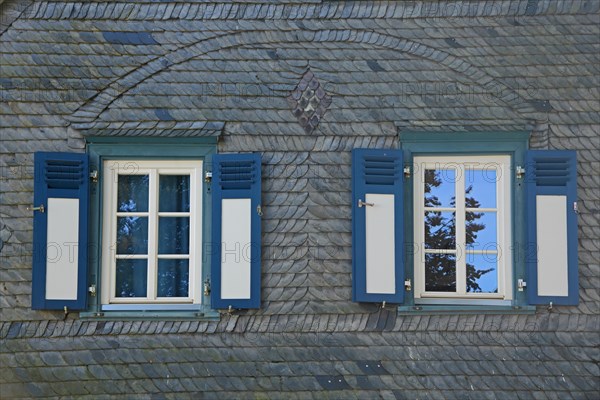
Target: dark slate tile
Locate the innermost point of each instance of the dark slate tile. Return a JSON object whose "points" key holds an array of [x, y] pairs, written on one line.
{"points": [[452, 42], [531, 8], [130, 38], [375, 66], [372, 367], [14, 329], [329, 382]]}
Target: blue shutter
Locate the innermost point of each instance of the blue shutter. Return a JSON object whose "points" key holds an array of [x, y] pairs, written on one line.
{"points": [[552, 227], [377, 226], [236, 252], [60, 231]]}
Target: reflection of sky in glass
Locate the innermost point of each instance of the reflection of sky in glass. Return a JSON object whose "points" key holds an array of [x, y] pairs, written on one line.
{"points": [[476, 264], [132, 278], [480, 186], [173, 278], [174, 193], [485, 238], [439, 187], [440, 230], [132, 193]]}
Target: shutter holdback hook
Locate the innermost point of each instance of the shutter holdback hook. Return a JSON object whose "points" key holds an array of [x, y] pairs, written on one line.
{"points": [[40, 208], [362, 203]]}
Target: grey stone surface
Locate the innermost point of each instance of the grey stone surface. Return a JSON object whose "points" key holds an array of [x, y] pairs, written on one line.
{"points": [[71, 70]]}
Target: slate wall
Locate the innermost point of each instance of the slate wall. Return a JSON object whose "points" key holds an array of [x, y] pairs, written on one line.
{"points": [[146, 68]]}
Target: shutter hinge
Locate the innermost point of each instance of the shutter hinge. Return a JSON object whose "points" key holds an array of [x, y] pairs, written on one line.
{"points": [[92, 290], [575, 207], [520, 171], [521, 284], [208, 176], [94, 175], [259, 210], [207, 287], [408, 285], [407, 172]]}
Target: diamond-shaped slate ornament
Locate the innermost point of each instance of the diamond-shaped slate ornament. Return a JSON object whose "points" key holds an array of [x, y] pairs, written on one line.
{"points": [[309, 102]]}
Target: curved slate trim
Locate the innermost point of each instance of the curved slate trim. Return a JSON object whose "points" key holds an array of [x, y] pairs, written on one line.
{"points": [[102, 101]]}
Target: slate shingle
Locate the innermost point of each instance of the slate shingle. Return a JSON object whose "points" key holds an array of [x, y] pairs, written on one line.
{"points": [[480, 66]]}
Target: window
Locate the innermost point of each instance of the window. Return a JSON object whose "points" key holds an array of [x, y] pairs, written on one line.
{"points": [[462, 227], [464, 222], [126, 230], [152, 237]]}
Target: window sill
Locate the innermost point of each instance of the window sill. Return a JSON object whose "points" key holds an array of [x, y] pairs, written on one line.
{"points": [[145, 315], [431, 309]]}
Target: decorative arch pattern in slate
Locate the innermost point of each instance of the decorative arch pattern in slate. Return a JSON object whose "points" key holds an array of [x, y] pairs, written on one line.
{"points": [[84, 117]]}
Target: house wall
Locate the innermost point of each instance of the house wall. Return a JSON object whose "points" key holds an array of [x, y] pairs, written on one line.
{"points": [[67, 71]]}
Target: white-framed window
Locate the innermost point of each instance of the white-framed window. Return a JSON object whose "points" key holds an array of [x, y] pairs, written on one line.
{"points": [[151, 232], [462, 228]]}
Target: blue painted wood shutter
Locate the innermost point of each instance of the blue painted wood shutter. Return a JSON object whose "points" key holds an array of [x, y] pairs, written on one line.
{"points": [[60, 231], [377, 226], [236, 231], [551, 255]]}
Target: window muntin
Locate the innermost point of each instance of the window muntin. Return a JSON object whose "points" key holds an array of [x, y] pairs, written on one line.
{"points": [[152, 232], [462, 227]]}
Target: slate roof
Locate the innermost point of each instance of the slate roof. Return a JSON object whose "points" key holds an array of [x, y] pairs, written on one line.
{"points": [[71, 70]]}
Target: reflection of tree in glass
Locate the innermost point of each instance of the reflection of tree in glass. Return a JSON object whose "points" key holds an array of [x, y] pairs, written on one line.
{"points": [[133, 193], [173, 278], [131, 235], [440, 233]]}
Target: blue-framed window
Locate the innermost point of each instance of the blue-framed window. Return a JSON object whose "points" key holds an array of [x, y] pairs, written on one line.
{"points": [[147, 227], [466, 207], [150, 217]]}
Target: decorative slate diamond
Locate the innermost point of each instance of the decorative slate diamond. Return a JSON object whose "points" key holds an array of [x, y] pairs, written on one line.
{"points": [[309, 102]]}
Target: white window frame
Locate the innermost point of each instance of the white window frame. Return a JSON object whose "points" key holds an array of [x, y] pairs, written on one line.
{"points": [[153, 168], [501, 164]]}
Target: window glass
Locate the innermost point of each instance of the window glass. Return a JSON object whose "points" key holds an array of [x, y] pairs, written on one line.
{"points": [[481, 231], [174, 193], [480, 188], [152, 244], [440, 272], [133, 193], [173, 277], [458, 224], [131, 278], [439, 187], [173, 235], [482, 273], [132, 235]]}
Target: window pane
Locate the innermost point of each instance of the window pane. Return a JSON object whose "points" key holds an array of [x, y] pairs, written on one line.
{"points": [[440, 272], [173, 278], [439, 187], [132, 193], [132, 278], [174, 193], [174, 235], [480, 188], [440, 230], [132, 235], [482, 273], [481, 231]]}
